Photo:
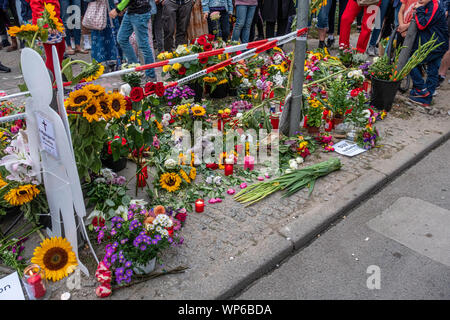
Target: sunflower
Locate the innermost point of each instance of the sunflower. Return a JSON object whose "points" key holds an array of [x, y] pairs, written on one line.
{"points": [[118, 104], [21, 195], [182, 109], [13, 31], [95, 73], [51, 17], [2, 182], [95, 89], [92, 111], [170, 181], [284, 67], [193, 173], [223, 81], [198, 111], [185, 176], [79, 98], [55, 257], [105, 109]]}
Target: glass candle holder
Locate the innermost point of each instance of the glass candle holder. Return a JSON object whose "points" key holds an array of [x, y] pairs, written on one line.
{"points": [[35, 282], [199, 205]]}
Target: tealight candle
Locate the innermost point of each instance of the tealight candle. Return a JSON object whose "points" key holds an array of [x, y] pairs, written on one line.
{"points": [[199, 205]]}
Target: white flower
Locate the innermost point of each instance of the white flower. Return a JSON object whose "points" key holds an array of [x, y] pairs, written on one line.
{"points": [[238, 115], [18, 162], [278, 79], [218, 180], [164, 233], [366, 114], [299, 160], [375, 59], [293, 164], [122, 211], [288, 171], [166, 117], [181, 49], [125, 89], [170, 164], [351, 74], [139, 202]]}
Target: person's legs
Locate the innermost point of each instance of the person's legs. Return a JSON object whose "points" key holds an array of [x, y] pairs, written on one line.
{"points": [[433, 75], [351, 11], [64, 7], [77, 24], [332, 17], [258, 23], [158, 28], [364, 36], [225, 25], [169, 16], [140, 27], [342, 6], [60, 48], [417, 79], [322, 23], [241, 15], [270, 29], [245, 33], [445, 63], [125, 31], [379, 22], [183, 18]]}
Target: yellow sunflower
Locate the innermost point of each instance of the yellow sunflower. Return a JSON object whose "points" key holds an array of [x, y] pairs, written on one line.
{"points": [[105, 109], [185, 176], [95, 89], [223, 81], [2, 182], [193, 173], [79, 98], [118, 104], [284, 67], [13, 31], [55, 257], [170, 181], [92, 111], [21, 195], [198, 111], [98, 71], [182, 109]]}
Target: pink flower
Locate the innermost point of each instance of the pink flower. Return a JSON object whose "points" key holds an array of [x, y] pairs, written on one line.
{"points": [[261, 178], [243, 185], [218, 200], [212, 200], [231, 191]]}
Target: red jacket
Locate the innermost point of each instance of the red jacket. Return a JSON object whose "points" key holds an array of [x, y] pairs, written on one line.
{"points": [[37, 7]]}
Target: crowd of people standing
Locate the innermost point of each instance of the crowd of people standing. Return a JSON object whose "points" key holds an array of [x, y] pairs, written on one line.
{"points": [[152, 26]]}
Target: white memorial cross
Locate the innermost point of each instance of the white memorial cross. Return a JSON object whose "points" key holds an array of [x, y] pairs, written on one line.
{"points": [[47, 137]]}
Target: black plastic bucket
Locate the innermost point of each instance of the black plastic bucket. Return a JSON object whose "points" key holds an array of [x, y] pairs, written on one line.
{"points": [[198, 89], [383, 93]]}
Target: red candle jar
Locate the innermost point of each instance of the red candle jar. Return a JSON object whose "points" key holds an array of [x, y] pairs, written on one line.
{"points": [[229, 167], [275, 120], [249, 162], [199, 205], [35, 282]]}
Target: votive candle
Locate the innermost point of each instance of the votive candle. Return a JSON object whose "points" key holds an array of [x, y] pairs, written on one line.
{"points": [[199, 205]]}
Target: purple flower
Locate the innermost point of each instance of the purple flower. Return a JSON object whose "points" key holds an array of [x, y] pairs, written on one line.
{"points": [[128, 264], [143, 247]]}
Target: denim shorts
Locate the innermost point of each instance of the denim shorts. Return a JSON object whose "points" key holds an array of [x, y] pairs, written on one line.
{"points": [[322, 19]]}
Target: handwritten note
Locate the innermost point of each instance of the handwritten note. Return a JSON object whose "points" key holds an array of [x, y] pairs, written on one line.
{"points": [[348, 148], [10, 288]]}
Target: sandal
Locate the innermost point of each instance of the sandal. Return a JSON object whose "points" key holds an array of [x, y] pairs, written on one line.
{"points": [[81, 51], [70, 52]]}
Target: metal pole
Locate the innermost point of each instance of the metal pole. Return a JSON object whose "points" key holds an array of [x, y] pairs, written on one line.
{"points": [[299, 63]]}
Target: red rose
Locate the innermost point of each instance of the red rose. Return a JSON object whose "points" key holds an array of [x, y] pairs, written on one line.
{"points": [[181, 216], [210, 37], [207, 47], [182, 71], [203, 60], [149, 86], [212, 166], [170, 231], [129, 105], [137, 94], [201, 40], [159, 89], [98, 222]]}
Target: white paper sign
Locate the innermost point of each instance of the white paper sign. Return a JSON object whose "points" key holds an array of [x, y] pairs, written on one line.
{"points": [[348, 148], [10, 288], [47, 135]]}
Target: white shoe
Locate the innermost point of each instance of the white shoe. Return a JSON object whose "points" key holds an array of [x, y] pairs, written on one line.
{"points": [[87, 43]]}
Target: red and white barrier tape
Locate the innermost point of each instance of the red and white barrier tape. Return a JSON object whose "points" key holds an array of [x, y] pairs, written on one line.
{"points": [[252, 47]]}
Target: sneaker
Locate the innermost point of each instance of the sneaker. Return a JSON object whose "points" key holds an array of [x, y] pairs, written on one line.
{"points": [[322, 44], [372, 51], [87, 44], [5, 43], [419, 93], [4, 68], [441, 79], [330, 42], [423, 102]]}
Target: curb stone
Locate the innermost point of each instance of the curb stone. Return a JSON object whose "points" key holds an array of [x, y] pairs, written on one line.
{"points": [[309, 225]]}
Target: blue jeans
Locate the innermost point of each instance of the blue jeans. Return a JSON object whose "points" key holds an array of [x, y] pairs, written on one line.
{"points": [[69, 17], [432, 77], [379, 23], [244, 18], [139, 24], [322, 19], [221, 27]]}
